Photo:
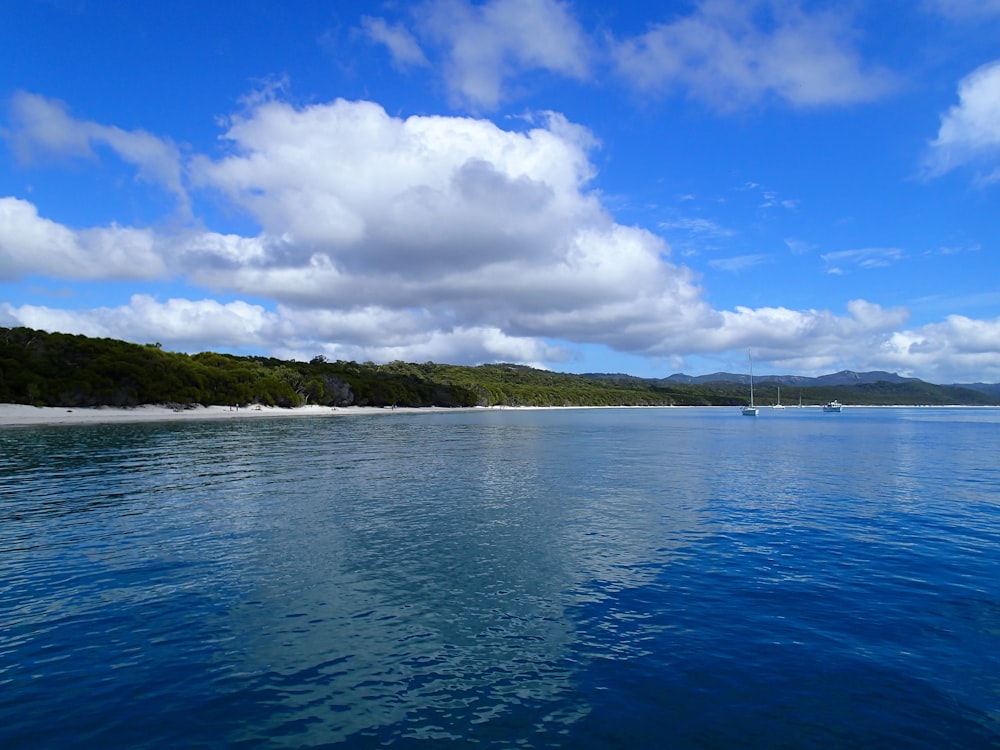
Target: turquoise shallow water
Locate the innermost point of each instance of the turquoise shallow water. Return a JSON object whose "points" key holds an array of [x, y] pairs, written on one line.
{"points": [[683, 578]]}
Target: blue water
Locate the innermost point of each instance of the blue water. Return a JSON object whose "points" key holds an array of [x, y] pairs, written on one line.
{"points": [[647, 578]]}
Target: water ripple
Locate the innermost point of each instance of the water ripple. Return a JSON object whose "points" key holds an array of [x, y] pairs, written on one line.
{"points": [[629, 578]]}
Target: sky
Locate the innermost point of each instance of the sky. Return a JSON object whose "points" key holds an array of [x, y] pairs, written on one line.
{"points": [[645, 187]]}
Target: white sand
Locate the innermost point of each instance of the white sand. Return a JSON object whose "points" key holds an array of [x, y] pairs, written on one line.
{"points": [[20, 414]]}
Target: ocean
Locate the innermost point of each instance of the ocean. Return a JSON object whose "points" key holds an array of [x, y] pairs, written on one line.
{"points": [[580, 578]]}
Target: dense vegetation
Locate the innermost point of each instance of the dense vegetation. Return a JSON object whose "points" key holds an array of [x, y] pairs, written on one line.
{"points": [[55, 369]]}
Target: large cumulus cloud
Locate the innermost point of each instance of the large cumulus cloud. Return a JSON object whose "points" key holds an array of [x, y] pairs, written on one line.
{"points": [[468, 222], [426, 237]]}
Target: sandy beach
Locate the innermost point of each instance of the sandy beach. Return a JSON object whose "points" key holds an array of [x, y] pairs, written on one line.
{"points": [[23, 414]]}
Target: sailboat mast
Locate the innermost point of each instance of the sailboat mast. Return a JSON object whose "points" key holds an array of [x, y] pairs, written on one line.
{"points": [[750, 410]]}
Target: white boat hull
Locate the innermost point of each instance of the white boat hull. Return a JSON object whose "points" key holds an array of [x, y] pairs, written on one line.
{"points": [[778, 404]]}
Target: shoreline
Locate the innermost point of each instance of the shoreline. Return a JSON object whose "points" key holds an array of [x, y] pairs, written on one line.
{"points": [[12, 415], [25, 415]]}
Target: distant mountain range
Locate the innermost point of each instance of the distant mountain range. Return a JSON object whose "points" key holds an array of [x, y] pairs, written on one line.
{"points": [[844, 377]]}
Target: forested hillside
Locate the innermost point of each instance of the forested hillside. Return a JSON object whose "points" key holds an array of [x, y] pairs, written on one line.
{"points": [[56, 369]]}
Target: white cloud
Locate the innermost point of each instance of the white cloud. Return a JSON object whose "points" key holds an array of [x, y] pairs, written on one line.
{"points": [[44, 126], [729, 53], [380, 336], [777, 334], [959, 349], [488, 43], [468, 226], [442, 238], [970, 130], [345, 186], [31, 244], [360, 335], [733, 54], [187, 324]]}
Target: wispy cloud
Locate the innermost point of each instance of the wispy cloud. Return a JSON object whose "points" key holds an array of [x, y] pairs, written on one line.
{"points": [[740, 262], [697, 226], [965, 9], [768, 198], [397, 39], [771, 200], [44, 127], [736, 53], [950, 303], [798, 247], [864, 258], [956, 249]]}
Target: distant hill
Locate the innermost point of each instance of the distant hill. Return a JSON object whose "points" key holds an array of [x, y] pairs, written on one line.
{"points": [[844, 377], [990, 389]]}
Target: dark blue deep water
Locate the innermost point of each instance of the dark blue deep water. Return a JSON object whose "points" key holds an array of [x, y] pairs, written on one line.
{"points": [[648, 578]]}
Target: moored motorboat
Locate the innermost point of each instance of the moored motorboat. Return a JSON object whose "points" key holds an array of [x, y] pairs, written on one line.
{"points": [[834, 405]]}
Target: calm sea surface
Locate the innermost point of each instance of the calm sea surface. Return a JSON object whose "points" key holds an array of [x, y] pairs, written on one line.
{"points": [[647, 578]]}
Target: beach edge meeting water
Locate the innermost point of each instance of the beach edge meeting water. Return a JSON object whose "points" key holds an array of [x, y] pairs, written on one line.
{"points": [[13, 415], [27, 415]]}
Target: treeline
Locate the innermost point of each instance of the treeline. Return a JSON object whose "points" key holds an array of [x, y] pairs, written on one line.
{"points": [[56, 369]]}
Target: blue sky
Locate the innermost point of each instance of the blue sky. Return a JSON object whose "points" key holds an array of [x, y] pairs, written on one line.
{"points": [[650, 189]]}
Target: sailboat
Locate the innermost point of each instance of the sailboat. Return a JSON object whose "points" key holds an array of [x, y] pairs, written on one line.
{"points": [[778, 405], [750, 410]]}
